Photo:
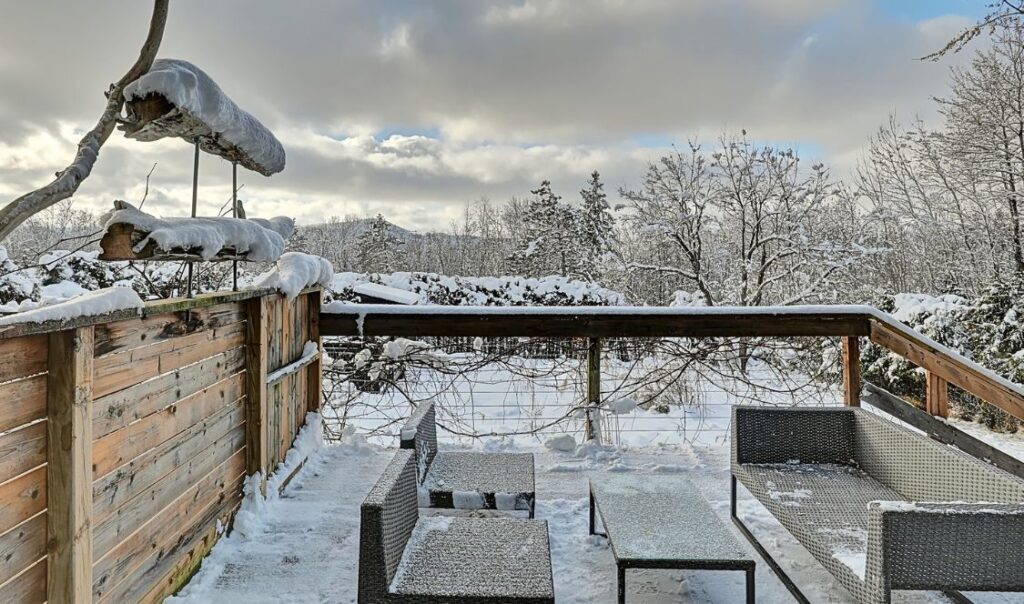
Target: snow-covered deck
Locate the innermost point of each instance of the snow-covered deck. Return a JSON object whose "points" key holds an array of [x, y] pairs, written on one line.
{"points": [[304, 546]]}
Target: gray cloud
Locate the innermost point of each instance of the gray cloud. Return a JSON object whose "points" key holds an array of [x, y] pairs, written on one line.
{"points": [[517, 90]]}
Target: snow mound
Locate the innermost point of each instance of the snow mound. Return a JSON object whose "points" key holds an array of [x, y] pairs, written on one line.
{"points": [[260, 240], [296, 271], [99, 302], [192, 91], [622, 406], [562, 442]]}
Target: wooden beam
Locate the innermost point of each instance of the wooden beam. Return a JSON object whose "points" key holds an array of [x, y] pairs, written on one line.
{"points": [[936, 395], [314, 381], [851, 371], [951, 367], [609, 322], [69, 466], [120, 240], [593, 386], [257, 330]]}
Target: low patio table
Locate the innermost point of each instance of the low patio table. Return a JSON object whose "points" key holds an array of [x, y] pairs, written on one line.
{"points": [[663, 522]]}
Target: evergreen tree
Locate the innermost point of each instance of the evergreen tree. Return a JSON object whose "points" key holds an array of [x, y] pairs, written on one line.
{"points": [[549, 229], [595, 226], [378, 250]]}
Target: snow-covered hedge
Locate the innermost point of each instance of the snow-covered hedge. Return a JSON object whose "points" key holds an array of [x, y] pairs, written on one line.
{"points": [[482, 291], [988, 329]]}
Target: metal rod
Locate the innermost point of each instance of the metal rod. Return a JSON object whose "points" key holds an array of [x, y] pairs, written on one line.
{"points": [[234, 214], [195, 203]]}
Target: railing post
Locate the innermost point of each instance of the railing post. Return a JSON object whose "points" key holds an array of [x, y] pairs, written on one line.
{"points": [[69, 466], [257, 316], [851, 371], [936, 395], [593, 387], [314, 381]]}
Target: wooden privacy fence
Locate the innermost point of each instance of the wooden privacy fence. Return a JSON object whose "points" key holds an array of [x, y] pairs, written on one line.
{"points": [[125, 440], [850, 323]]}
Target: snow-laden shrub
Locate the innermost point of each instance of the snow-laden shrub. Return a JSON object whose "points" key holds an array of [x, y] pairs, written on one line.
{"points": [[483, 291], [83, 268], [16, 285], [986, 330]]}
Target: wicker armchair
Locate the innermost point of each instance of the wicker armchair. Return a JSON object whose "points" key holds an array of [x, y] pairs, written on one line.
{"points": [[411, 560], [467, 479], [842, 480]]}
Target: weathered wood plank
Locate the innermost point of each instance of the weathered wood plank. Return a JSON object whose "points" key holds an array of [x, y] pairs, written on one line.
{"points": [[22, 402], [118, 371], [124, 335], [121, 446], [936, 398], [258, 321], [113, 490], [119, 241], [952, 369], [22, 546], [166, 528], [580, 325], [117, 410], [195, 472], [314, 387], [22, 498], [28, 587], [69, 471], [22, 357], [21, 450], [851, 371]]}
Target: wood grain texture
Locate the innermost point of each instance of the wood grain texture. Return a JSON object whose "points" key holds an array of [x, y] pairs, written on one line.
{"points": [[314, 391], [69, 468], [21, 498], [851, 371], [22, 546], [22, 402], [121, 446], [21, 450], [22, 357], [29, 586], [119, 409], [951, 368], [582, 325], [257, 344], [936, 399], [124, 335]]}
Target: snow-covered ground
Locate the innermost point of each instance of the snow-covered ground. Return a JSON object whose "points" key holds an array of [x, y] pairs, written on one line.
{"points": [[305, 547]]}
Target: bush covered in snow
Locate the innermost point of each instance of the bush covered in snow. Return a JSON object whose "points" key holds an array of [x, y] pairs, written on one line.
{"points": [[482, 291], [987, 329]]}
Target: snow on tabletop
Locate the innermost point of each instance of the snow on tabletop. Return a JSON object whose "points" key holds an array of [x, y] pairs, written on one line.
{"points": [[295, 272], [192, 91], [99, 302], [670, 311], [260, 240]]}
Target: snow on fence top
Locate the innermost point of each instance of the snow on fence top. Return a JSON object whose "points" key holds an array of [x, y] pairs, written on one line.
{"points": [[177, 99], [296, 271], [99, 302], [254, 239]]}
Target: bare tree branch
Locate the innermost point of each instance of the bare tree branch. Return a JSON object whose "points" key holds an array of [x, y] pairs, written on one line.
{"points": [[69, 179]]}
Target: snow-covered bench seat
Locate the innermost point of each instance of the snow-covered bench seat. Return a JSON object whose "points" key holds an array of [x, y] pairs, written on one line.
{"points": [[407, 559], [467, 480], [842, 480]]}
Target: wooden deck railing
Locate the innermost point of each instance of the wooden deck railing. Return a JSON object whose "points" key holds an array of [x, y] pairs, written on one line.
{"points": [[851, 323], [125, 439]]}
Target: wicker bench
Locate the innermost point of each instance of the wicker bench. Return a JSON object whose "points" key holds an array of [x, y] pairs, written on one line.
{"points": [[411, 560], [467, 480], [842, 480], [663, 522]]}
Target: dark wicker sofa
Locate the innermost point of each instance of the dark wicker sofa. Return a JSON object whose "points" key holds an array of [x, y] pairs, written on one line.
{"points": [[411, 560], [467, 479], [842, 481]]}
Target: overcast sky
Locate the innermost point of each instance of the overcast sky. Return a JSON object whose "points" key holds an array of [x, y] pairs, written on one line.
{"points": [[413, 108]]}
